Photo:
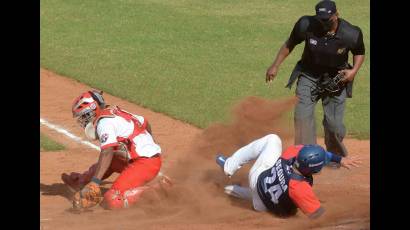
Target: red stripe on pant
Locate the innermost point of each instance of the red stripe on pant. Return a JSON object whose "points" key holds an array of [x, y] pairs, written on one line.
{"points": [[125, 191]]}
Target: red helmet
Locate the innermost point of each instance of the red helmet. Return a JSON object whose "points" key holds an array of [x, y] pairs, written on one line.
{"points": [[87, 106]]}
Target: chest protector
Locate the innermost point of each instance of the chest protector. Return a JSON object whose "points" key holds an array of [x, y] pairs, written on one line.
{"points": [[138, 128], [273, 187]]}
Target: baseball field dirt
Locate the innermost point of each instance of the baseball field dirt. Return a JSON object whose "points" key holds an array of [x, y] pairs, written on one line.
{"points": [[196, 201]]}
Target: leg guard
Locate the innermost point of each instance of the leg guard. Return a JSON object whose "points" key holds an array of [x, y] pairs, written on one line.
{"points": [[129, 185], [115, 200]]}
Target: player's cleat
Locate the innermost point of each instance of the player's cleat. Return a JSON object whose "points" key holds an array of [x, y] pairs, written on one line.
{"points": [[73, 185], [220, 160]]}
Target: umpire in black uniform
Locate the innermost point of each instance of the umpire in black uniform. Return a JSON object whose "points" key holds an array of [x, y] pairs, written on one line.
{"points": [[322, 73]]}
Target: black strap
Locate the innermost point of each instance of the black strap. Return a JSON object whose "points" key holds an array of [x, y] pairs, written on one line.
{"points": [[298, 177]]}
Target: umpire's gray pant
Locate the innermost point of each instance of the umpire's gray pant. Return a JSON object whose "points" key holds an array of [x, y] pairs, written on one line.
{"points": [[304, 117]]}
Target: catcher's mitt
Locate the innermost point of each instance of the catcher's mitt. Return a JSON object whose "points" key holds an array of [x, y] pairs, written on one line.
{"points": [[88, 197]]}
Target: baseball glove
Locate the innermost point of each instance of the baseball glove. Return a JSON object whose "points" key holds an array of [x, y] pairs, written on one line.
{"points": [[88, 197]]}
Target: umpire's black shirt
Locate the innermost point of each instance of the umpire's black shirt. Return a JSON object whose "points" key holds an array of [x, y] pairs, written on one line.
{"points": [[324, 52]]}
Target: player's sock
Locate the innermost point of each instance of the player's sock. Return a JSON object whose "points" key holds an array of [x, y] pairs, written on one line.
{"points": [[239, 192]]}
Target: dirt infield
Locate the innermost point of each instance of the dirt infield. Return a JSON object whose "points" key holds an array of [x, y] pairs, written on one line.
{"points": [[197, 200]]}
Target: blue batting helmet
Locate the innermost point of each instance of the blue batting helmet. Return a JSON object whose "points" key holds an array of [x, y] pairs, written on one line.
{"points": [[311, 159]]}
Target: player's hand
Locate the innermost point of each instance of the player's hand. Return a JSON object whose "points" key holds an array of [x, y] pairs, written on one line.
{"points": [[349, 162], [88, 197], [349, 74], [271, 73]]}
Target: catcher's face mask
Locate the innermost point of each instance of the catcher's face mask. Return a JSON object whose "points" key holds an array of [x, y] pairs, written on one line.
{"points": [[335, 84], [327, 85], [86, 118], [86, 106]]}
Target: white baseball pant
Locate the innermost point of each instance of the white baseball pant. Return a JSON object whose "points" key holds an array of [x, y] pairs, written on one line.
{"points": [[266, 151]]}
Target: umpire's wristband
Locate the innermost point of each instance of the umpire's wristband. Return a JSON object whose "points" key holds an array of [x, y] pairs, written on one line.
{"points": [[96, 180]]}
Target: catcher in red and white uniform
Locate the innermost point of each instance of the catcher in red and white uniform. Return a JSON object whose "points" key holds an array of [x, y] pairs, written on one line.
{"points": [[127, 147]]}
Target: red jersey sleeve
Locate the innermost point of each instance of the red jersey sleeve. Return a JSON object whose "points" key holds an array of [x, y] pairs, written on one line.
{"points": [[291, 152], [302, 195]]}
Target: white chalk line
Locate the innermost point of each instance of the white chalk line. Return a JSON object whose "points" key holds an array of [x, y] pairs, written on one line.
{"points": [[68, 134], [73, 137]]}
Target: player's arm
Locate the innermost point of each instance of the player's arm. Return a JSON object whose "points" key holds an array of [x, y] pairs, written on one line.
{"points": [[304, 198], [346, 162], [108, 141], [357, 62], [91, 194], [349, 74], [358, 51], [283, 52], [104, 163], [297, 36]]}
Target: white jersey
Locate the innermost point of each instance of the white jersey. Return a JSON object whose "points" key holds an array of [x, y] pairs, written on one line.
{"points": [[111, 129]]}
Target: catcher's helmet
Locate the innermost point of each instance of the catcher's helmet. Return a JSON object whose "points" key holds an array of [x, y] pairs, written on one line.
{"points": [[311, 159], [87, 106]]}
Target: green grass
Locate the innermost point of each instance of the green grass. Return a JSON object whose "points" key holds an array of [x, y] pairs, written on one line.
{"points": [[189, 59], [46, 144]]}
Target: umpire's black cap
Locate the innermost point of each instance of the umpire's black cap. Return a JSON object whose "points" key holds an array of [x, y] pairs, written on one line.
{"points": [[325, 9]]}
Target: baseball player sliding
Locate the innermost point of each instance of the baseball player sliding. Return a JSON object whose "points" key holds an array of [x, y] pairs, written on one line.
{"points": [[127, 147], [280, 182]]}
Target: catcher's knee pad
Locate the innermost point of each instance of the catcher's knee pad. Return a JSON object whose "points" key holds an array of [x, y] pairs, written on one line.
{"points": [[114, 199]]}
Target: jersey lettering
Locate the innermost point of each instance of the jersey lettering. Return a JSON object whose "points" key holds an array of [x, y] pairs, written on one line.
{"points": [[276, 190], [273, 188]]}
